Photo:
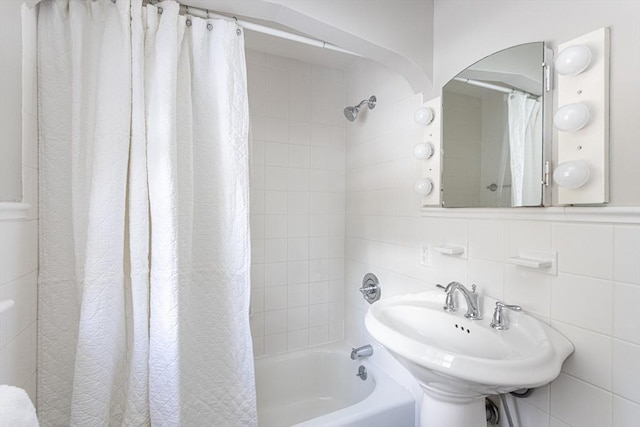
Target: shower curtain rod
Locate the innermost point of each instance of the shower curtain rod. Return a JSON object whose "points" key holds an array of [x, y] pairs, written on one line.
{"points": [[492, 86], [204, 13]]}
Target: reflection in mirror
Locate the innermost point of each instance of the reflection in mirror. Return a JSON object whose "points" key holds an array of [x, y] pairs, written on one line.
{"points": [[492, 131]]}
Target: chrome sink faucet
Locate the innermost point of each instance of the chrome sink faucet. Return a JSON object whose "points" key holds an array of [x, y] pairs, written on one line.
{"points": [[471, 297]]}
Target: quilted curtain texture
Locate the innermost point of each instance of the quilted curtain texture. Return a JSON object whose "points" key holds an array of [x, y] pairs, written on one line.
{"points": [[524, 115], [144, 240]]}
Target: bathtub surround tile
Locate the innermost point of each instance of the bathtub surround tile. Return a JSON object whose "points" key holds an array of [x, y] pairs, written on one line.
{"points": [[258, 345], [276, 343], [318, 314], [298, 249], [275, 298], [257, 275], [257, 250], [298, 318], [298, 225], [297, 272], [297, 340], [298, 202], [275, 178], [275, 226], [276, 154], [298, 295], [275, 250], [275, 273], [318, 335], [276, 129], [298, 179], [275, 202], [299, 134], [275, 322]]}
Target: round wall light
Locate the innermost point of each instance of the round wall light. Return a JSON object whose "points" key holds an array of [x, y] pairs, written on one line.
{"points": [[572, 174], [573, 60], [423, 151], [571, 117], [423, 116], [423, 186]]}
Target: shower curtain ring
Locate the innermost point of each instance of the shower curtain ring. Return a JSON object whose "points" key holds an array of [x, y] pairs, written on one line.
{"points": [[207, 10]]}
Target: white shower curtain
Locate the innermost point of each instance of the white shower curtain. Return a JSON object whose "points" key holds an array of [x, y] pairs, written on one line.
{"points": [[144, 250], [525, 149]]}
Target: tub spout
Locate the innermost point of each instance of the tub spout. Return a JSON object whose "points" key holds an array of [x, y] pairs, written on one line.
{"points": [[364, 351]]}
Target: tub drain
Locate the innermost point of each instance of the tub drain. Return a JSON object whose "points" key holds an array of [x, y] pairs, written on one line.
{"points": [[362, 373]]}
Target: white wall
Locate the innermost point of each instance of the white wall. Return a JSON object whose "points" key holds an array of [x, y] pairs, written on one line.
{"points": [[19, 235], [10, 101], [297, 203], [593, 300]]}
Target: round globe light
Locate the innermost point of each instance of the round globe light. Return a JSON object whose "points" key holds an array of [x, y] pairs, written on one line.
{"points": [[573, 60], [572, 174], [423, 116], [571, 117], [423, 151], [423, 186]]}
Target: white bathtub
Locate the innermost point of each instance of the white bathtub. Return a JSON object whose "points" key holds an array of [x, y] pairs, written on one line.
{"points": [[318, 387]]}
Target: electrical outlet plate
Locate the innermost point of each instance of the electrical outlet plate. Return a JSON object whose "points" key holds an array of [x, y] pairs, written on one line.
{"points": [[425, 254]]}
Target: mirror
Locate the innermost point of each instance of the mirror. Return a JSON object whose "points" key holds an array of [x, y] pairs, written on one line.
{"points": [[492, 131]]}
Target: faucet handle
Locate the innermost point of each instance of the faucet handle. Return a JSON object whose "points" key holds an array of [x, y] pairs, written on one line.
{"points": [[439, 286], [501, 305], [499, 320]]}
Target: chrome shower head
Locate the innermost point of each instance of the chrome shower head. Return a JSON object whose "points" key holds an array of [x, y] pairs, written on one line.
{"points": [[352, 112]]}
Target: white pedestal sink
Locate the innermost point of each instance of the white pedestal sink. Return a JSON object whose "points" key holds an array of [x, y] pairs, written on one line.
{"points": [[457, 361]]}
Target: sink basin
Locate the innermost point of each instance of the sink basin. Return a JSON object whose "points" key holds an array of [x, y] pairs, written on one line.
{"points": [[458, 360]]}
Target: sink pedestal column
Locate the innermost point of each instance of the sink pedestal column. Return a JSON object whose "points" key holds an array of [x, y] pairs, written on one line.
{"points": [[438, 410]]}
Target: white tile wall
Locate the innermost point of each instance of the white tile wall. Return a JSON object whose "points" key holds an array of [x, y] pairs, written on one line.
{"points": [[19, 241], [297, 203], [594, 300]]}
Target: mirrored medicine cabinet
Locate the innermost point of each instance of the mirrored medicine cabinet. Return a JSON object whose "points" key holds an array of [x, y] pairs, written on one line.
{"points": [[494, 144]]}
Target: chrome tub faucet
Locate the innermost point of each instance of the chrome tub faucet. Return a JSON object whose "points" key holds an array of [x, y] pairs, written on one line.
{"points": [[364, 351]]}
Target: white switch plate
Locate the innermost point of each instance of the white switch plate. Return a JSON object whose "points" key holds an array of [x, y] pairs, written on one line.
{"points": [[425, 254]]}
